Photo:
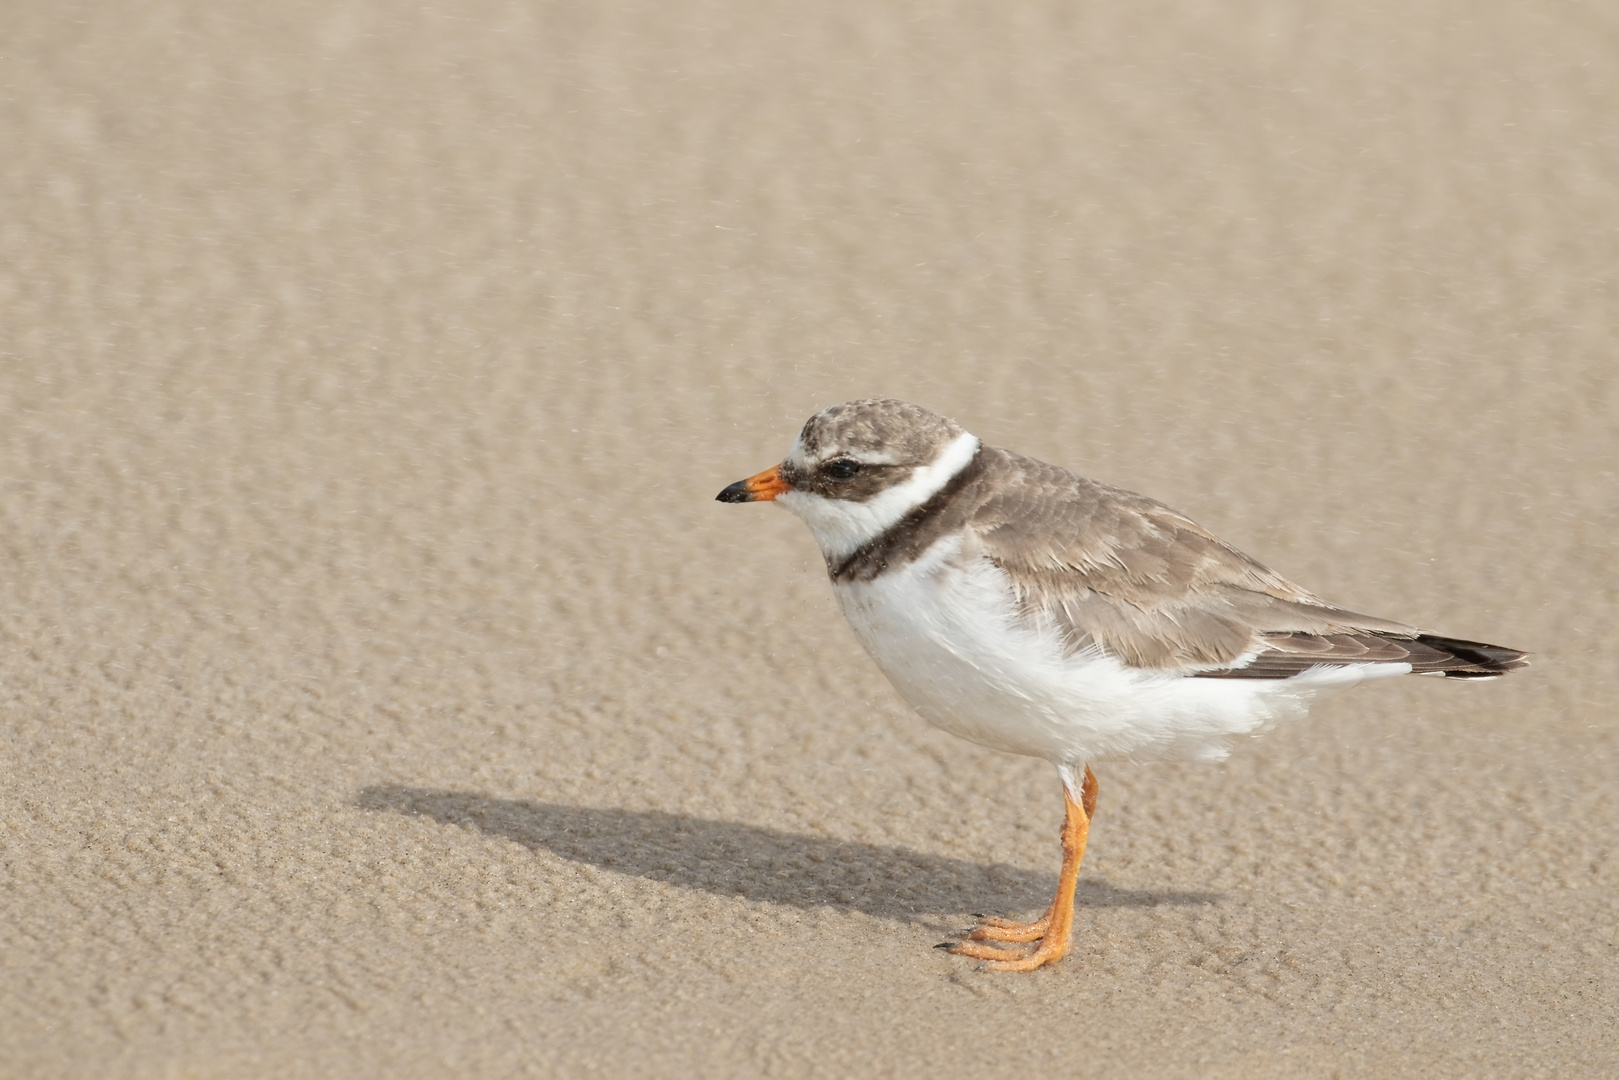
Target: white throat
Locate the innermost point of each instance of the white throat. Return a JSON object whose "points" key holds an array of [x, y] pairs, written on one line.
{"points": [[839, 526]]}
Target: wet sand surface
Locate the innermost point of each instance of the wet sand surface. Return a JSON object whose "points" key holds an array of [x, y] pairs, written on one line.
{"points": [[382, 692]]}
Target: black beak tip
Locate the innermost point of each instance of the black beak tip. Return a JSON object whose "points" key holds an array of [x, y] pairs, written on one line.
{"points": [[737, 492]]}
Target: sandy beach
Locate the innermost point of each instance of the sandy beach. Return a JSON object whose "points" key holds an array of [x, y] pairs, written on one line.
{"points": [[384, 694]]}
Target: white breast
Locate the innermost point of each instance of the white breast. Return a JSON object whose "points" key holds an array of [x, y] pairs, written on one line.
{"points": [[947, 632]]}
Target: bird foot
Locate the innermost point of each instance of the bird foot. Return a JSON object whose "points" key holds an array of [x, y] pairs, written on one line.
{"points": [[990, 928], [1051, 949]]}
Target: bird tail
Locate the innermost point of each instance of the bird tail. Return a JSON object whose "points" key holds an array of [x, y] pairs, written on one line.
{"points": [[1457, 659]]}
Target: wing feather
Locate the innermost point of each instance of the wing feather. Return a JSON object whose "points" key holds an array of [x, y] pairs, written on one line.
{"points": [[1120, 571]]}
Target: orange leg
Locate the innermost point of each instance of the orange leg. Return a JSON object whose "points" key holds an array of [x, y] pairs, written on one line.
{"points": [[991, 928], [1055, 929]]}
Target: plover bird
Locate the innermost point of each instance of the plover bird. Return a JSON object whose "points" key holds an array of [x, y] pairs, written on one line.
{"points": [[1028, 609]]}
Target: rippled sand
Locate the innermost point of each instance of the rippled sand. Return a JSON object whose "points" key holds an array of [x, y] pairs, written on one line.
{"points": [[382, 693]]}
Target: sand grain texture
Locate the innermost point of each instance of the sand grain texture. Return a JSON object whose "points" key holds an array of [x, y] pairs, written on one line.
{"points": [[383, 694]]}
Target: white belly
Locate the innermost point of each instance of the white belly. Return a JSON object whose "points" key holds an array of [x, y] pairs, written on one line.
{"points": [[948, 635]]}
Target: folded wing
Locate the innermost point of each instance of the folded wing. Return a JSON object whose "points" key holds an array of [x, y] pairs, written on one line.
{"points": [[1112, 569]]}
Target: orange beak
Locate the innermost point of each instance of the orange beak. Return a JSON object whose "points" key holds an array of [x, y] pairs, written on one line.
{"points": [[761, 487]]}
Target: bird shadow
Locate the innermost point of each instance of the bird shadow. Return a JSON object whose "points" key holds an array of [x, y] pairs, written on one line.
{"points": [[754, 863]]}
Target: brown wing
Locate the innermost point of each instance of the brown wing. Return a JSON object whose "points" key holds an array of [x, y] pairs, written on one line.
{"points": [[1149, 585]]}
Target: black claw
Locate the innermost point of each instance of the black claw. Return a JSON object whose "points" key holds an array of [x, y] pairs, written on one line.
{"points": [[945, 945]]}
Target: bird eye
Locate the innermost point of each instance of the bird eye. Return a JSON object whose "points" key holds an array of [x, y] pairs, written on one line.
{"points": [[841, 469]]}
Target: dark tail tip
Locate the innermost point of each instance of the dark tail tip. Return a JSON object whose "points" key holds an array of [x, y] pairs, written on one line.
{"points": [[1474, 659]]}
